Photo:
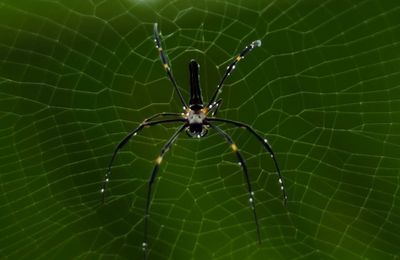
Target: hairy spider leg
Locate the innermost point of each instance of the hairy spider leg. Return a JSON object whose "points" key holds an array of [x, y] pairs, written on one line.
{"points": [[166, 65], [266, 146], [242, 163], [151, 181], [231, 67], [124, 142]]}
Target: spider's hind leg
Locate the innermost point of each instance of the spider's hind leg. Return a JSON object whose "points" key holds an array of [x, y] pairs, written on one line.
{"points": [[214, 107], [166, 65], [232, 66]]}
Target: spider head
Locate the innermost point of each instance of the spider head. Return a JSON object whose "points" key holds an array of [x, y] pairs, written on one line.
{"points": [[196, 130]]}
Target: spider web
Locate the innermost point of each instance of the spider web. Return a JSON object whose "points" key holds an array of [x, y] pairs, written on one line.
{"points": [[76, 76]]}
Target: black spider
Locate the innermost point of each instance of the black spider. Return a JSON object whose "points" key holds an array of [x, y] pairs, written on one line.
{"points": [[197, 119]]}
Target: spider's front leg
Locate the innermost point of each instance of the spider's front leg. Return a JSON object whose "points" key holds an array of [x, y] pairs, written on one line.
{"points": [[266, 145], [126, 139], [158, 161], [242, 163]]}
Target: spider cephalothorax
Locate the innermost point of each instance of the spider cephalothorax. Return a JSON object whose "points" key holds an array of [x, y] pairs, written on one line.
{"points": [[197, 125], [196, 120]]}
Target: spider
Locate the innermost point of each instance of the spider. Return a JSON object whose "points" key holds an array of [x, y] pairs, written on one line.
{"points": [[197, 118]]}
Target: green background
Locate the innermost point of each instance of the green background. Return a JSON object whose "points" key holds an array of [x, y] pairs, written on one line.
{"points": [[76, 76]]}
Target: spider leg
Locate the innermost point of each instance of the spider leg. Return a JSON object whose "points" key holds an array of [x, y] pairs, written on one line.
{"points": [[242, 163], [215, 107], [165, 62], [163, 114], [231, 67], [151, 181], [124, 142], [266, 146]]}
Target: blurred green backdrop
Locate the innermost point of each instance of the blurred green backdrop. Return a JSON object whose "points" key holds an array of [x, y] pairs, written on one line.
{"points": [[76, 76]]}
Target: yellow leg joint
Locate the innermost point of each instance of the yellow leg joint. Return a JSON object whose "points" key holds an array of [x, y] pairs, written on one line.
{"points": [[234, 147], [159, 160]]}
